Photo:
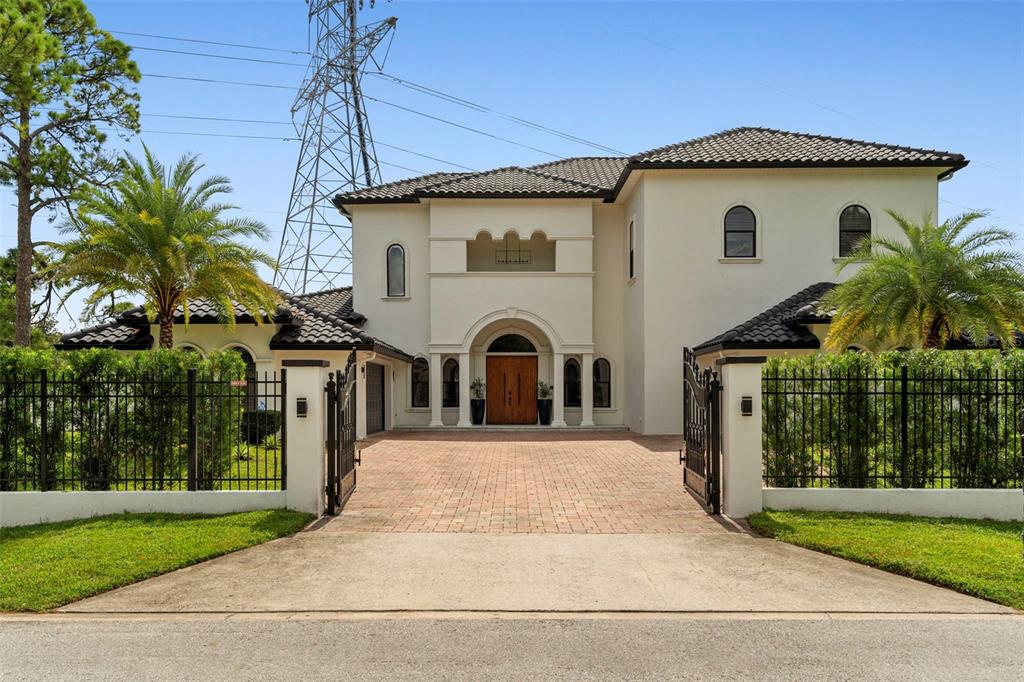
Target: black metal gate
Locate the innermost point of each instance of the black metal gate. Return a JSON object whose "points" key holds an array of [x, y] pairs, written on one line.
{"points": [[702, 433], [374, 398], [341, 436]]}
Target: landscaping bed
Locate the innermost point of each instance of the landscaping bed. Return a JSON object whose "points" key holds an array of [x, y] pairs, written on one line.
{"points": [[976, 557], [47, 565]]}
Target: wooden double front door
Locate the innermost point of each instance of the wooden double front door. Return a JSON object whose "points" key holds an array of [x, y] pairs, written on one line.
{"points": [[511, 389]]}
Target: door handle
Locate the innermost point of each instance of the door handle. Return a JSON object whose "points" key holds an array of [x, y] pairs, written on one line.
{"points": [[510, 397]]}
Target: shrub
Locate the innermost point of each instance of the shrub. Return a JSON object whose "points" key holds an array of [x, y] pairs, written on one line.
{"points": [[838, 419], [258, 425]]}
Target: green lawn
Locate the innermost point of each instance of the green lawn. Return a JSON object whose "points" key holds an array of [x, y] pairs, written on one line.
{"points": [[45, 566], [981, 558]]}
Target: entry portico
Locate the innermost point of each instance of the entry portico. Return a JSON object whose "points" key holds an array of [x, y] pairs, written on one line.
{"points": [[512, 350]]}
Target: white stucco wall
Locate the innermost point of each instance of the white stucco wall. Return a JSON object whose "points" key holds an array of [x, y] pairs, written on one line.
{"points": [[690, 294]]}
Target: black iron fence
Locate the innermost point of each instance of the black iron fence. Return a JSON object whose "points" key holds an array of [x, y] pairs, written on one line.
{"points": [[869, 424], [187, 430]]}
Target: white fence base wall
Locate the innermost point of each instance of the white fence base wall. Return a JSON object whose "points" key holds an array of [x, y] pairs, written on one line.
{"points": [[1002, 505], [20, 509]]}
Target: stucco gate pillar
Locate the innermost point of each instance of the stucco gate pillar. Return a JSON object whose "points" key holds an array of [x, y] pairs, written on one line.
{"points": [[464, 382], [306, 434], [742, 467]]}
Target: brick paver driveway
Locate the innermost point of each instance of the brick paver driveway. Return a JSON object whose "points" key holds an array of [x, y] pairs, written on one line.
{"points": [[522, 482]]}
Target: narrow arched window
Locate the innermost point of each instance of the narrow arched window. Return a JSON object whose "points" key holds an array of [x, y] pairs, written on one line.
{"points": [[420, 383], [740, 233], [854, 227], [602, 383], [396, 270], [573, 384], [250, 377], [450, 387]]}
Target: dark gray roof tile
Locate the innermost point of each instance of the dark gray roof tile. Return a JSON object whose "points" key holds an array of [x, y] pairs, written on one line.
{"points": [[108, 335], [511, 181], [741, 147], [781, 326]]}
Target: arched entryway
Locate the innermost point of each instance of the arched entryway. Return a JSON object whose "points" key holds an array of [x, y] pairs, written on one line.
{"points": [[512, 356], [511, 380]]}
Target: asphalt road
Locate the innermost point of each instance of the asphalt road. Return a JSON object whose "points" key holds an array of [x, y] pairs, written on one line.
{"points": [[474, 647]]}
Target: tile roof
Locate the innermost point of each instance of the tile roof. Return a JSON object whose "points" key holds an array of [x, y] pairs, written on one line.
{"points": [[337, 302], [398, 190], [510, 180], [108, 335], [768, 147], [781, 326], [603, 176], [315, 320], [200, 311], [599, 171]]}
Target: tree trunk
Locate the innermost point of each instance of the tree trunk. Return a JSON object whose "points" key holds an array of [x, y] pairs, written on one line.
{"points": [[934, 338], [167, 330], [23, 272]]}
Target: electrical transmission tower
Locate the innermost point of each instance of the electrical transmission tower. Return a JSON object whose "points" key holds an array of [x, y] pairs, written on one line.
{"points": [[337, 153]]}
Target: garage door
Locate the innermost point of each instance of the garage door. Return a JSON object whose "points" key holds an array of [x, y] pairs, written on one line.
{"points": [[374, 398]]}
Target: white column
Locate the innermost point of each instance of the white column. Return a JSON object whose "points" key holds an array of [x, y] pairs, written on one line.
{"points": [[742, 469], [558, 396], [435, 389], [306, 435], [465, 379], [587, 380]]}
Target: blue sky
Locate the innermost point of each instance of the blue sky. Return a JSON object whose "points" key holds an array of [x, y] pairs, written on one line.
{"points": [[629, 76]]}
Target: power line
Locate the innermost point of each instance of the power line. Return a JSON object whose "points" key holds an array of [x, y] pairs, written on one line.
{"points": [[286, 123], [266, 137], [210, 42], [217, 81], [975, 210], [210, 55], [417, 87], [375, 99], [463, 127]]}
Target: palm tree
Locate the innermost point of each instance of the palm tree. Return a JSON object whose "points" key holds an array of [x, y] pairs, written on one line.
{"points": [[152, 234], [935, 285]]}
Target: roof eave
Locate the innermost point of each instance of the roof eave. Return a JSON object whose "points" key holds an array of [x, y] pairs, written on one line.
{"points": [[515, 195], [742, 345], [951, 167]]}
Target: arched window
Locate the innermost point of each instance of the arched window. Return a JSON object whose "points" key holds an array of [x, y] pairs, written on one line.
{"points": [[396, 270], [602, 383], [511, 343], [450, 387], [854, 227], [250, 377], [420, 383], [740, 233], [573, 384]]}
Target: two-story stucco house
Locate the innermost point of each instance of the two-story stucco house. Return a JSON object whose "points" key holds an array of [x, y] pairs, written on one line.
{"points": [[591, 274]]}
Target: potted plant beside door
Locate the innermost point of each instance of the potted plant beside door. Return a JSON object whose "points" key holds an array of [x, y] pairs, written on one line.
{"points": [[476, 404], [544, 402]]}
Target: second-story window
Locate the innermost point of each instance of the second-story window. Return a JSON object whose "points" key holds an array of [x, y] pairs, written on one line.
{"points": [[740, 233], [396, 271], [631, 246], [854, 228]]}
